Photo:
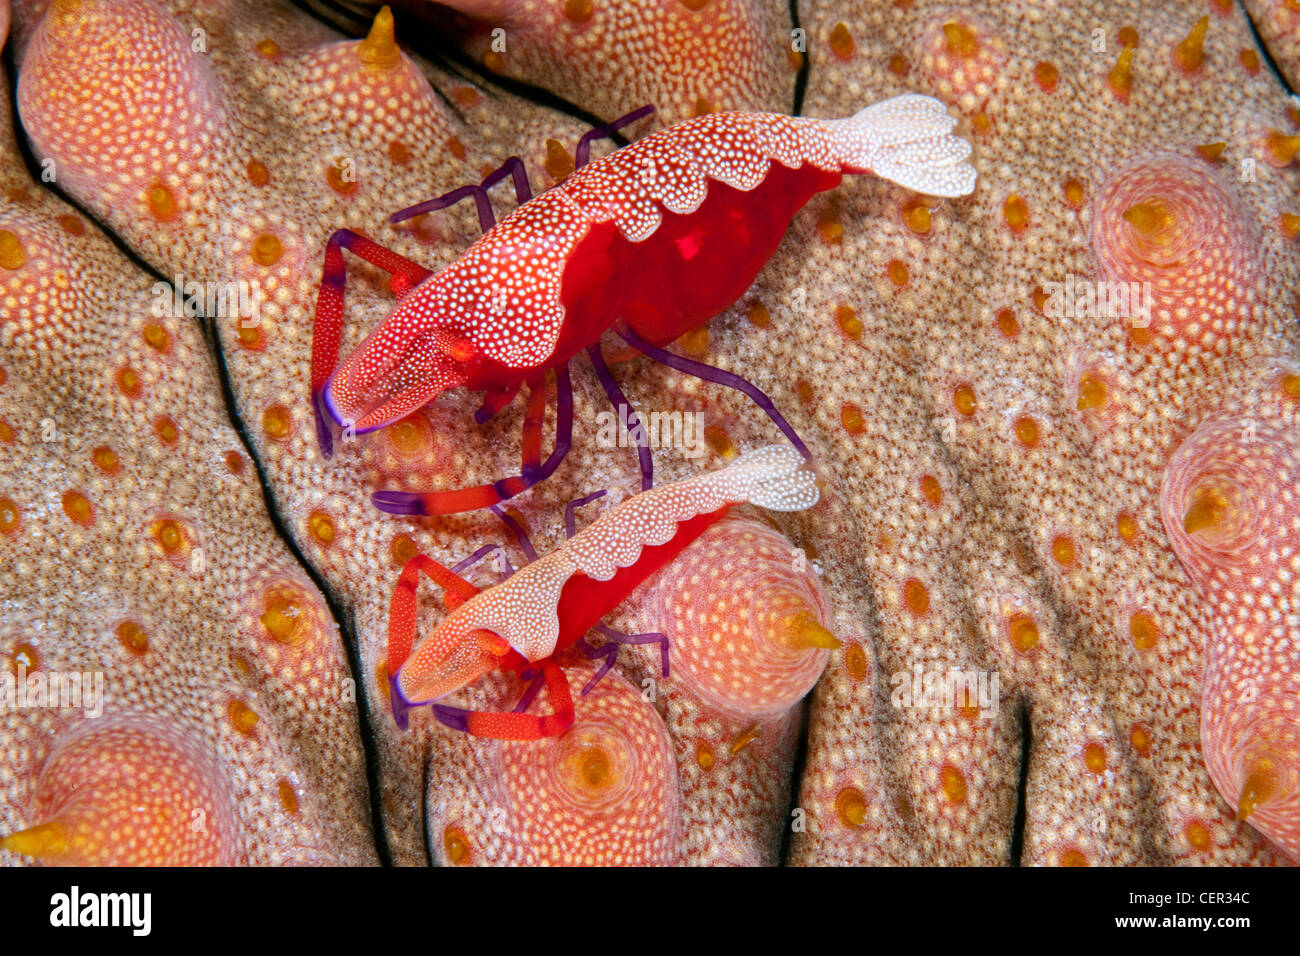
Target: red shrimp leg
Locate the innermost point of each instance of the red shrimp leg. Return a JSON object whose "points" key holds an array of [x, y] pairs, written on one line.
{"points": [[402, 615], [517, 726], [484, 496], [328, 325]]}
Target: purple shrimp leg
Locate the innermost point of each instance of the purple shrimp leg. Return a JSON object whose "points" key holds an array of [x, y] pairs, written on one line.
{"points": [[537, 678], [571, 525], [610, 651], [513, 167], [583, 153], [710, 374], [620, 402], [466, 563], [515, 528]]}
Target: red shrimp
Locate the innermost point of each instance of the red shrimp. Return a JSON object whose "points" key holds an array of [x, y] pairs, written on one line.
{"points": [[549, 605], [658, 237]]}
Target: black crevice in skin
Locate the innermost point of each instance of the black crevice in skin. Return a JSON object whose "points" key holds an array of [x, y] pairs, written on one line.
{"points": [[805, 69], [1022, 786], [1264, 51], [342, 615], [796, 782], [207, 328]]}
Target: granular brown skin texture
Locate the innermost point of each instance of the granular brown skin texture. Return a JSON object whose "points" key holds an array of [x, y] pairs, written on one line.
{"points": [[993, 472]]}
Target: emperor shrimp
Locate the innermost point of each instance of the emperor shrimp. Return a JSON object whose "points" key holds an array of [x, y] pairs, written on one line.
{"points": [[549, 605], [650, 241]]}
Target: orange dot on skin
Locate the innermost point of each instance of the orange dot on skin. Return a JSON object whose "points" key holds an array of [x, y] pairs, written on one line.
{"points": [[1121, 76], [1063, 551], [251, 337], [234, 463], [579, 11], [1290, 223], [132, 637], [759, 316], [166, 429], [743, 739], [9, 515], [242, 717], [277, 423], [898, 273], [959, 39], [157, 337], [267, 249], [1074, 857], [106, 460], [963, 399], [1007, 323], [931, 489], [696, 342], [851, 807], [1046, 76], [1211, 152], [267, 48], [1197, 835], [898, 65], [852, 420], [1015, 212], [402, 549], [321, 526], [953, 782], [169, 534], [916, 597], [717, 439], [695, 5], [72, 225], [558, 161], [830, 230], [1094, 757], [341, 178], [1127, 526], [1092, 393], [1250, 60], [399, 152], [288, 796], [1280, 149], [77, 507], [855, 662], [1190, 53], [257, 173], [916, 216], [1027, 431], [455, 845], [128, 382], [283, 617], [6, 432], [1023, 633], [804, 390], [1074, 192], [1128, 37], [456, 148], [704, 756], [1289, 385], [24, 656], [1140, 737], [847, 319], [1142, 628], [842, 44], [162, 202]]}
